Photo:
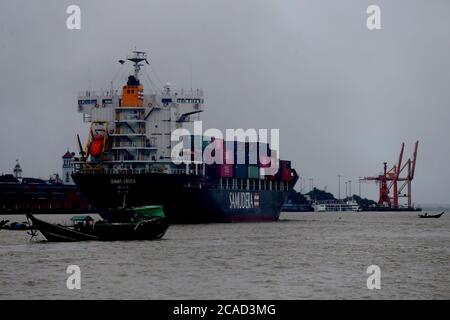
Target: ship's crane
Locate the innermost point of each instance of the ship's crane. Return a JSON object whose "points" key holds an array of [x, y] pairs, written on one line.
{"points": [[396, 179]]}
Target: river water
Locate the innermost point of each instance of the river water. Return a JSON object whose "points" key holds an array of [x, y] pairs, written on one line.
{"points": [[303, 256]]}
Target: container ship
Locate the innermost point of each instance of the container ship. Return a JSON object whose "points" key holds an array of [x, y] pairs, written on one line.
{"points": [[127, 158]]}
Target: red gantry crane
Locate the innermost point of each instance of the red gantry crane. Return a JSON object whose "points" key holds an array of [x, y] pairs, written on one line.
{"points": [[400, 174]]}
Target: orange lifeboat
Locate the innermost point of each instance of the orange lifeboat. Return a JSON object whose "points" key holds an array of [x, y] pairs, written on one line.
{"points": [[96, 147]]}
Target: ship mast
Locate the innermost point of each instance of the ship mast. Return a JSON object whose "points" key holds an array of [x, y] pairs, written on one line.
{"points": [[137, 57]]}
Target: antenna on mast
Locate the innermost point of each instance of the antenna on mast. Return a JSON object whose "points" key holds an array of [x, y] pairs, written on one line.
{"points": [[137, 57]]}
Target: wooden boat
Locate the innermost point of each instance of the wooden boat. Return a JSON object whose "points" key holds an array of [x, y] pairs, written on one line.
{"points": [[431, 215], [146, 223]]}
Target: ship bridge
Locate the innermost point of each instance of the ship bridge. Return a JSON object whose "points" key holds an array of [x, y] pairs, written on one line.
{"points": [[138, 124]]}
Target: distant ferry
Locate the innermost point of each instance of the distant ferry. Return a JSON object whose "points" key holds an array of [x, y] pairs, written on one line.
{"points": [[337, 206], [127, 160]]}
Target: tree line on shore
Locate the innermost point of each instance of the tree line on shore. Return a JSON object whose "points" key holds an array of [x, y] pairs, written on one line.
{"points": [[322, 195]]}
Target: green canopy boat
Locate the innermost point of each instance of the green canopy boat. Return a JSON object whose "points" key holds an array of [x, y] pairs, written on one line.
{"points": [[139, 223], [81, 218], [147, 211]]}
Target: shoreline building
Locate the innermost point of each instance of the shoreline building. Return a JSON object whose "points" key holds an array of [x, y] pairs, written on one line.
{"points": [[67, 167]]}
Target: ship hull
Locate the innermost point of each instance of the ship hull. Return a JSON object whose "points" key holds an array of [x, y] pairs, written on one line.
{"points": [[185, 199], [22, 198]]}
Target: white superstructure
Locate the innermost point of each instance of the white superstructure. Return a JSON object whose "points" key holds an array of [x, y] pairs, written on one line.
{"points": [[137, 125], [67, 167], [337, 206]]}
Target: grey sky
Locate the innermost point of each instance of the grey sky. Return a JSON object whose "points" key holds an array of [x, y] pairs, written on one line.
{"points": [[343, 97]]}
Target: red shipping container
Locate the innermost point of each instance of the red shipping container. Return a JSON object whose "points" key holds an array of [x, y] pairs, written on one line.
{"points": [[225, 170], [286, 174]]}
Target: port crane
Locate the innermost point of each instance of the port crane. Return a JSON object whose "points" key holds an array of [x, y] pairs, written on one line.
{"points": [[397, 178]]}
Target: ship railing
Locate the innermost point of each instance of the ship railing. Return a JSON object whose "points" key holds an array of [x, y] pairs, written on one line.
{"points": [[81, 167], [192, 93], [98, 93], [197, 180]]}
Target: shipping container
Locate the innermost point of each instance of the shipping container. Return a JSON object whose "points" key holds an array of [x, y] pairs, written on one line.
{"points": [[196, 141], [263, 174], [240, 154], [285, 164], [263, 152], [240, 171], [270, 170], [264, 162], [286, 174], [251, 152], [272, 177], [253, 172], [248, 152], [205, 143], [225, 170], [228, 157], [211, 170], [218, 146], [284, 170]]}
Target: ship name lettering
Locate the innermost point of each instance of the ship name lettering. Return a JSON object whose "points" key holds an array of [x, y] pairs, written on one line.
{"points": [[123, 181], [241, 200]]}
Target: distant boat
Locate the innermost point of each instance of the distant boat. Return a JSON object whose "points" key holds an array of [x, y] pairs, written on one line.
{"points": [[148, 223], [15, 226], [297, 207], [431, 215], [336, 206]]}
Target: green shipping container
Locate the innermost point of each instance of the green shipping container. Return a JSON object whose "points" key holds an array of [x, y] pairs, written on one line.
{"points": [[205, 143], [253, 172]]}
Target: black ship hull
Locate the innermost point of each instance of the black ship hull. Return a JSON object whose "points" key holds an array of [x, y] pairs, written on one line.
{"points": [[185, 198], [21, 198]]}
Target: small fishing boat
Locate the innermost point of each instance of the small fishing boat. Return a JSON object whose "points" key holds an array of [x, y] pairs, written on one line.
{"points": [[426, 215], [142, 223]]}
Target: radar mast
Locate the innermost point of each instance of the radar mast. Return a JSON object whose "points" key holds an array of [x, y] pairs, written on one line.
{"points": [[137, 57]]}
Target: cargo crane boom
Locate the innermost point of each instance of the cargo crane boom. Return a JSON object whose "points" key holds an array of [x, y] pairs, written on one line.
{"points": [[389, 180]]}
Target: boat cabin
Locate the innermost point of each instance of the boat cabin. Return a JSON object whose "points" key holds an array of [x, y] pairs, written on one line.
{"points": [[82, 223]]}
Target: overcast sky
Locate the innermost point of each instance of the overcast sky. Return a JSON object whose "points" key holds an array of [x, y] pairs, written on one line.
{"points": [[343, 97]]}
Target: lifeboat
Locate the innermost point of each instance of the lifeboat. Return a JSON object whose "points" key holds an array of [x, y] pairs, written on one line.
{"points": [[96, 147]]}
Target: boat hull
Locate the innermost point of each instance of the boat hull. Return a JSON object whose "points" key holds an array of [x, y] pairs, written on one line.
{"points": [[436, 216], [56, 233], [150, 229], [185, 199]]}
